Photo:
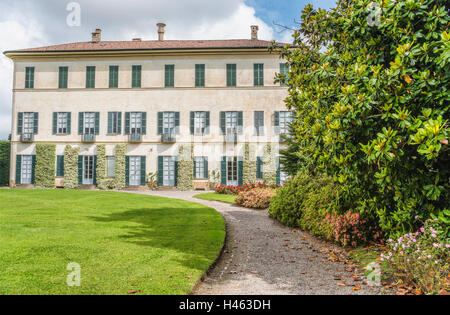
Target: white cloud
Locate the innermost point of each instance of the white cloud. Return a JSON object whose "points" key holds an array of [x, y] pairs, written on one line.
{"points": [[30, 23]]}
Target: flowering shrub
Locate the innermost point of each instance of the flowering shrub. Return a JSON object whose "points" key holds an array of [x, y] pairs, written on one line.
{"points": [[422, 258], [350, 229], [236, 190], [258, 198]]}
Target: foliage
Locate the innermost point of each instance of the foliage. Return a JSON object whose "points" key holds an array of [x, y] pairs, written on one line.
{"points": [[258, 198], [372, 102], [289, 156], [269, 165], [186, 168], [152, 180], [45, 170], [249, 175], [118, 182], [214, 179], [5, 148], [71, 167], [236, 190], [422, 258], [102, 181], [120, 153]]}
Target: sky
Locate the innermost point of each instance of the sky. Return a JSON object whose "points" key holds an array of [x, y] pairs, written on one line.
{"points": [[31, 23]]}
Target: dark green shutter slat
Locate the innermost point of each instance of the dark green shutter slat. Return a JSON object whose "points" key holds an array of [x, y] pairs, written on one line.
{"points": [[19, 123], [110, 127], [143, 170], [177, 123], [69, 123], [113, 77], [192, 123], [206, 168], [169, 75], [97, 123], [127, 171], [80, 170], [240, 123], [176, 173], [144, 123], [277, 122], [36, 123], [136, 76], [240, 171], [90, 77], [222, 122], [95, 170], [160, 170], [18, 169], [223, 171], [63, 77], [119, 123], [127, 123], [278, 172], [208, 123], [195, 168], [160, 123], [55, 123], [33, 169], [259, 165], [60, 166], [80, 123]]}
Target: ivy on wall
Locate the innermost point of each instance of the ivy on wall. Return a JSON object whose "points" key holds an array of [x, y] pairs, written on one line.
{"points": [[45, 165], [102, 181], [5, 148], [249, 176], [118, 182], [71, 167], [269, 166], [186, 167], [121, 151]]}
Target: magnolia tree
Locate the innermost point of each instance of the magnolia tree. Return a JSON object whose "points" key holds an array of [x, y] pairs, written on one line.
{"points": [[369, 83]]}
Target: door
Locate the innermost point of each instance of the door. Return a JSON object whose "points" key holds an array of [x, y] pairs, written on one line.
{"points": [[88, 170], [232, 171], [136, 123], [135, 170], [169, 123], [169, 171], [27, 169], [89, 123]]}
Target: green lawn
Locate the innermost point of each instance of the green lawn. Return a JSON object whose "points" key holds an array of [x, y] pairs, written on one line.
{"points": [[122, 242], [217, 197]]}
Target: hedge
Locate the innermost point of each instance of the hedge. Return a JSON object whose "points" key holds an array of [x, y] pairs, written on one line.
{"points": [[45, 170], [5, 149]]}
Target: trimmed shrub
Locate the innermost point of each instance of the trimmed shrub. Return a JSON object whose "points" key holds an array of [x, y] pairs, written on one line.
{"points": [[45, 170], [5, 148], [185, 179], [71, 167], [236, 190], [257, 198]]}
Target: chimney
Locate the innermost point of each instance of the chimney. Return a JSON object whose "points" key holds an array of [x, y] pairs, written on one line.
{"points": [[255, 29], [97, 35], [161, 31], [137, 39]]}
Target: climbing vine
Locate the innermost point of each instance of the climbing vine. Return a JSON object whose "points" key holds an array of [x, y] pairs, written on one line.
{"points": [[71, 167], [186, 167], [118, 182], [249, 176], [269, 166], [45, 165]]}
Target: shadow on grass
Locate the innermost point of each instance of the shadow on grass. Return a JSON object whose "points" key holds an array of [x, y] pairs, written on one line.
{"points": [[196, 235]]}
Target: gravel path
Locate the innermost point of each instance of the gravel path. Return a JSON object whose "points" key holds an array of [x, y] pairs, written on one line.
{"points": [[263, 257]]}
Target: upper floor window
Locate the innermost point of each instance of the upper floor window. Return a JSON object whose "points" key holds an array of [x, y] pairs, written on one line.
{"points": [[259, 123], [168, 123], [136, 76], [199, 75], [27, 123], [200, 123], [283, 121], [169, 79], [89, 123], [136, 123], [63, 77], [284, 70], [114, 123], [113, 77], [258, 74], [231, 123], [90, 77], [29, 77], [231, 75], [61, 123]]}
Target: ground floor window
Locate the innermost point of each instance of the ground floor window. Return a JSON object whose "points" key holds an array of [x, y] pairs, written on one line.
{"points": [[26, 170], [110, 166], [200, 168]]}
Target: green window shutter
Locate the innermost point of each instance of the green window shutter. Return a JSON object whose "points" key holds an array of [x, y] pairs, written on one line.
{"points": [[278, 172], [119, 123], [144, 123], [29, 77], [195, 168], [69, 123], [240, 123], [277, 122], [113, 77], [55, 123], [80, 169], [231, 75], [240, 171], [258, 74], [36, 123], [223, 171], [143, 170], [97, 123], [136, 76], [192, 123], [33, 169], [222, 122], [110, 127], [259, 165], [90, 77], [208, 123], [177, 123], [18, 169], [80, 123], [169, 75], [60, 166], [206, 168], [95, 170], [63, 77], [19, 123], [127, 171], [199, 75], [160, 123], [127, 123], [176, 173], [160, 170]]}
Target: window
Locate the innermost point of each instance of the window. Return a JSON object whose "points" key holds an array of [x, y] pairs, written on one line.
{"points": [[284, 69], [63, 77], [110, 166], [285, 120], [114, 123], [231, 75], [60, 166], [113, 77], [62, 123], [136, 77], [136, 123], [90, 77], [89, 123], [28, 123], [168, 122], [259, 123], [231, 122], [199, 75], [259, 168], [200, 168], [258, 69], [29, 77], [170, 76], [199, 123]]}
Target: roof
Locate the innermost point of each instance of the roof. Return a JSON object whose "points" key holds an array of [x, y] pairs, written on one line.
{"points": [[150, 45]]}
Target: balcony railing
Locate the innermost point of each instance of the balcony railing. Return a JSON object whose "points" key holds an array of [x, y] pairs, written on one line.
{"points": [[231, 137], [168, 138], [135, 138], [88, 138], [26, 137]]}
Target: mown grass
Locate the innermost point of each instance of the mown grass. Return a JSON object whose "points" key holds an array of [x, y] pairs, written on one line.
{"points": [[122, 242], [217, 197]]}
